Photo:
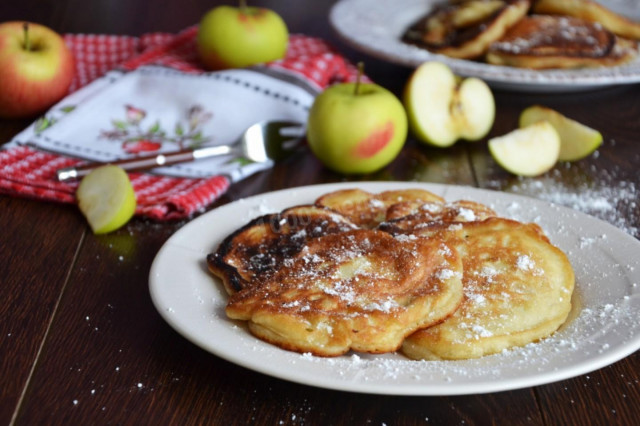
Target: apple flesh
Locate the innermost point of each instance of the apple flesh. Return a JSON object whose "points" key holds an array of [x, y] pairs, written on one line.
{"points": [[528, 151], [356, 128], [106, 198], [576, 140], [444, 108], [35, 72], [230, 37]]}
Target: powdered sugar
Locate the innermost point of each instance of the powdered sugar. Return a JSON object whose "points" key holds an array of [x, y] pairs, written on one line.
{"points": [[383, 306], [605, 327], [488, 272], [585, 335], [445, 274], [525, 263], [604, 195], [466, 215]]}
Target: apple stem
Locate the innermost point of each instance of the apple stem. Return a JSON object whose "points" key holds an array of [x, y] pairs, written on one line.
{"points": [[243, 5], [27, 42], [358, 78]]}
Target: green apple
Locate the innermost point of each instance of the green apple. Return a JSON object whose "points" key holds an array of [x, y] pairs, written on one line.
{"points": [[230, 37], [444, 108], [528, 151], [106, 198], [356, 128], [36, 69], [576, 140]]}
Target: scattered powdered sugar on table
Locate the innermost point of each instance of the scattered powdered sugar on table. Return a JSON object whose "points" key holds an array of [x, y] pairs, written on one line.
{"points": [[602, 195]]}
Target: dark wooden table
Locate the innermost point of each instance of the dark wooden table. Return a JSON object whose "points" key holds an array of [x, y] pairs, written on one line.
{"points": [[81, 343]]}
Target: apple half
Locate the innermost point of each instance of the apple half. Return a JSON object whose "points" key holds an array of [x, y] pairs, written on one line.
{"points": [[576, 140], [528, 151], [444, 108]]}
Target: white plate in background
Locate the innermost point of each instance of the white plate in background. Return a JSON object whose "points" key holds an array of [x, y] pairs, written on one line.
{"points": [[376, 28]]}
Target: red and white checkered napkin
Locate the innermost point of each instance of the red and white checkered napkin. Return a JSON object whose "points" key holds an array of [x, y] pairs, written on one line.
{"points": [[30, 172]]}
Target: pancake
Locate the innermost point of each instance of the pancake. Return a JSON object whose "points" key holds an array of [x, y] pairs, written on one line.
{"points": [[399, 270], [546, 41], [517, 288], [591, 11], [418, 213], [256, 250], [361, 290], [368, 210], [465, 29]]}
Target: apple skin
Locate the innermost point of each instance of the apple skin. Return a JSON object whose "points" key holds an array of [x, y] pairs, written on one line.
{"points": [[444, 108], [32, 80], [230, 37], [356, 133]]}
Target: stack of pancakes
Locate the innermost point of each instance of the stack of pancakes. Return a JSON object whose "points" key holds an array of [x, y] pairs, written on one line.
{"points": [[399, 270], [536, 34]]}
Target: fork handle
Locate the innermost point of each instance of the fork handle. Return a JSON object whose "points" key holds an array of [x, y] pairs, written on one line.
{"points": [[145, 162]]}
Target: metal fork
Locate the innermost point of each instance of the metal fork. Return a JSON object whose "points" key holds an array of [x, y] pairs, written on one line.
{"points": [[264, 141]]}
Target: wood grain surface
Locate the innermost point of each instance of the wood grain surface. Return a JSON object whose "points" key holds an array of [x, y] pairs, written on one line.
{"points": [[81, 343]]}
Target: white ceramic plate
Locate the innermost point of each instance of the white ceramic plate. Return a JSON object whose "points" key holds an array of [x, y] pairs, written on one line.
{"points": [[603, 328], [375, 27]]}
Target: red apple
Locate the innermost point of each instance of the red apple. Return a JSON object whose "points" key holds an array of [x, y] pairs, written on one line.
{"points": [[36, 69]]}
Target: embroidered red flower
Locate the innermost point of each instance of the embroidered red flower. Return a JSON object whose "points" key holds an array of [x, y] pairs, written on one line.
{"points": [[134, 115], [143, 145]]}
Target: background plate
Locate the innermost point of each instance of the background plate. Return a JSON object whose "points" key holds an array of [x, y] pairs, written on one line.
{"points": [[602, 329], [375, 27]]}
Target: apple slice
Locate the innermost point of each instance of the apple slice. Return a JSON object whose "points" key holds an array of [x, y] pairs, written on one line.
{"points": [[444, 108], [529, 151], [576, 140], [106, 198]]}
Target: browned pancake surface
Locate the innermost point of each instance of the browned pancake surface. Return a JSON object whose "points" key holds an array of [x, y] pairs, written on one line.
{"points": [[368, 210], [546, 41], [416, 213], [465, 29], [362, 290], [255, 251], [590, 11]]}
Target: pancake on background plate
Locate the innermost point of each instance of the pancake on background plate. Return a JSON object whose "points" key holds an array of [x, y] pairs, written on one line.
{"points": [[465, 29], [549, 41], [590, 11]]}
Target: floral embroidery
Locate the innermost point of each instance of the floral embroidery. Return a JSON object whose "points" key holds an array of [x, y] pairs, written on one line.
{"points": [[136, 136], [51, 118]]}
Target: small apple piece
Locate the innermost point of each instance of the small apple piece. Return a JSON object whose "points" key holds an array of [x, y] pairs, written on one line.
{"points": [[230, 37], [356, 128], [529, 151], [576, 140], [106, 198], [36, 69], [444, 108]]}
